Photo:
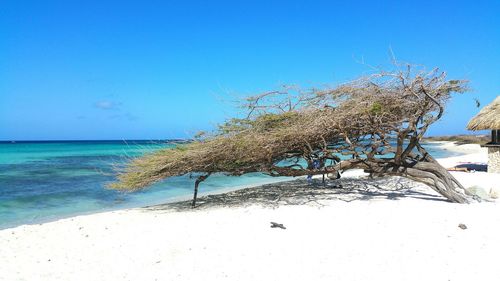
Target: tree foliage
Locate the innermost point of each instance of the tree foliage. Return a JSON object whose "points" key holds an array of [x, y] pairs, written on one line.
{"points": [[373, 123]]}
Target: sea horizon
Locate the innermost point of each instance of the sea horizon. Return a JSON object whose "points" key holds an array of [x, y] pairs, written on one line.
{"points": [[94, 140]]}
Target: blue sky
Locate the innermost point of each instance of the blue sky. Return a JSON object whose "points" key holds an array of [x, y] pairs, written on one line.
{"points": [[166, 69]]}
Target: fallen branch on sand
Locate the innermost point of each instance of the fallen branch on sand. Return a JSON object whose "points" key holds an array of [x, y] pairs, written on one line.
{"points": [[277, 225]]}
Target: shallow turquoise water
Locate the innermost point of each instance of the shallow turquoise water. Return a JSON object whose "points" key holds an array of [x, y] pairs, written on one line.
{"points": [[43, 181]]}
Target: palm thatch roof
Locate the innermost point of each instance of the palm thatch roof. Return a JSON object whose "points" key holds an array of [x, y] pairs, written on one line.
{"points": [[488, 118]]}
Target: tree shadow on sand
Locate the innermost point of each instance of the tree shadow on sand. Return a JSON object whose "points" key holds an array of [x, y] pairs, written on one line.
{"points": [[300, 192]]}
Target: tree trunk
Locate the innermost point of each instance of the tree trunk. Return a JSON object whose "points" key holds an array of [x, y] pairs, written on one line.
{"points": [[453, 189], [196, 184], [425, 170], [433, 175]]}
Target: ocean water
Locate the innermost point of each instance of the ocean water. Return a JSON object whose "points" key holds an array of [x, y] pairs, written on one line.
{"points": [[44, 181]]}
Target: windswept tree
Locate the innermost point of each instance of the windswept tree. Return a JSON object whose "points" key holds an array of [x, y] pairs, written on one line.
{"points": [[375, 123]]}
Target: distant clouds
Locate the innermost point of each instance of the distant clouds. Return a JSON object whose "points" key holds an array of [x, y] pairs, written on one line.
{"points": [[116, 108], [127, 116], [131, 117], [107, 105]]}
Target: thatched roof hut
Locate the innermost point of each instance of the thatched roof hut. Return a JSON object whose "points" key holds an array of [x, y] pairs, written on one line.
{"points": [[488, 118]]}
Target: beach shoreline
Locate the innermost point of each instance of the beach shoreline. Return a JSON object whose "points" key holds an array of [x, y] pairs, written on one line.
{"points": [[366, 230]]}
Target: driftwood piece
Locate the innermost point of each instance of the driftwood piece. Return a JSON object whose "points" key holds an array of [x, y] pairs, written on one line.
{"points": [[279, 225]]}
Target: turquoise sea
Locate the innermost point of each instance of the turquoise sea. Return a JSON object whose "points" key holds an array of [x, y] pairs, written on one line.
{"points": [[48, 180]]}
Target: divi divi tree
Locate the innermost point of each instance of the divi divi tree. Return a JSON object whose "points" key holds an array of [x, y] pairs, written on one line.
{"points": [[375, 123]]}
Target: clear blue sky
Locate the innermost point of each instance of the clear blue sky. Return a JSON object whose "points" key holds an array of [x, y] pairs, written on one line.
{"points": [[165, 69]]}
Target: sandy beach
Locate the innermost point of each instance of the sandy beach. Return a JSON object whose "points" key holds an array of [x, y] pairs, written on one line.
{"points": [[249, 140], [381, 229]]}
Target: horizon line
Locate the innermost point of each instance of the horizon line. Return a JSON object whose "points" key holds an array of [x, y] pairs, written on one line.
{"points": [[97, 140]]}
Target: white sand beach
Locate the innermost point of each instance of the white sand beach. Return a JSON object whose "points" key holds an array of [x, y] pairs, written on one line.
{"points": [[379, 232]]}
